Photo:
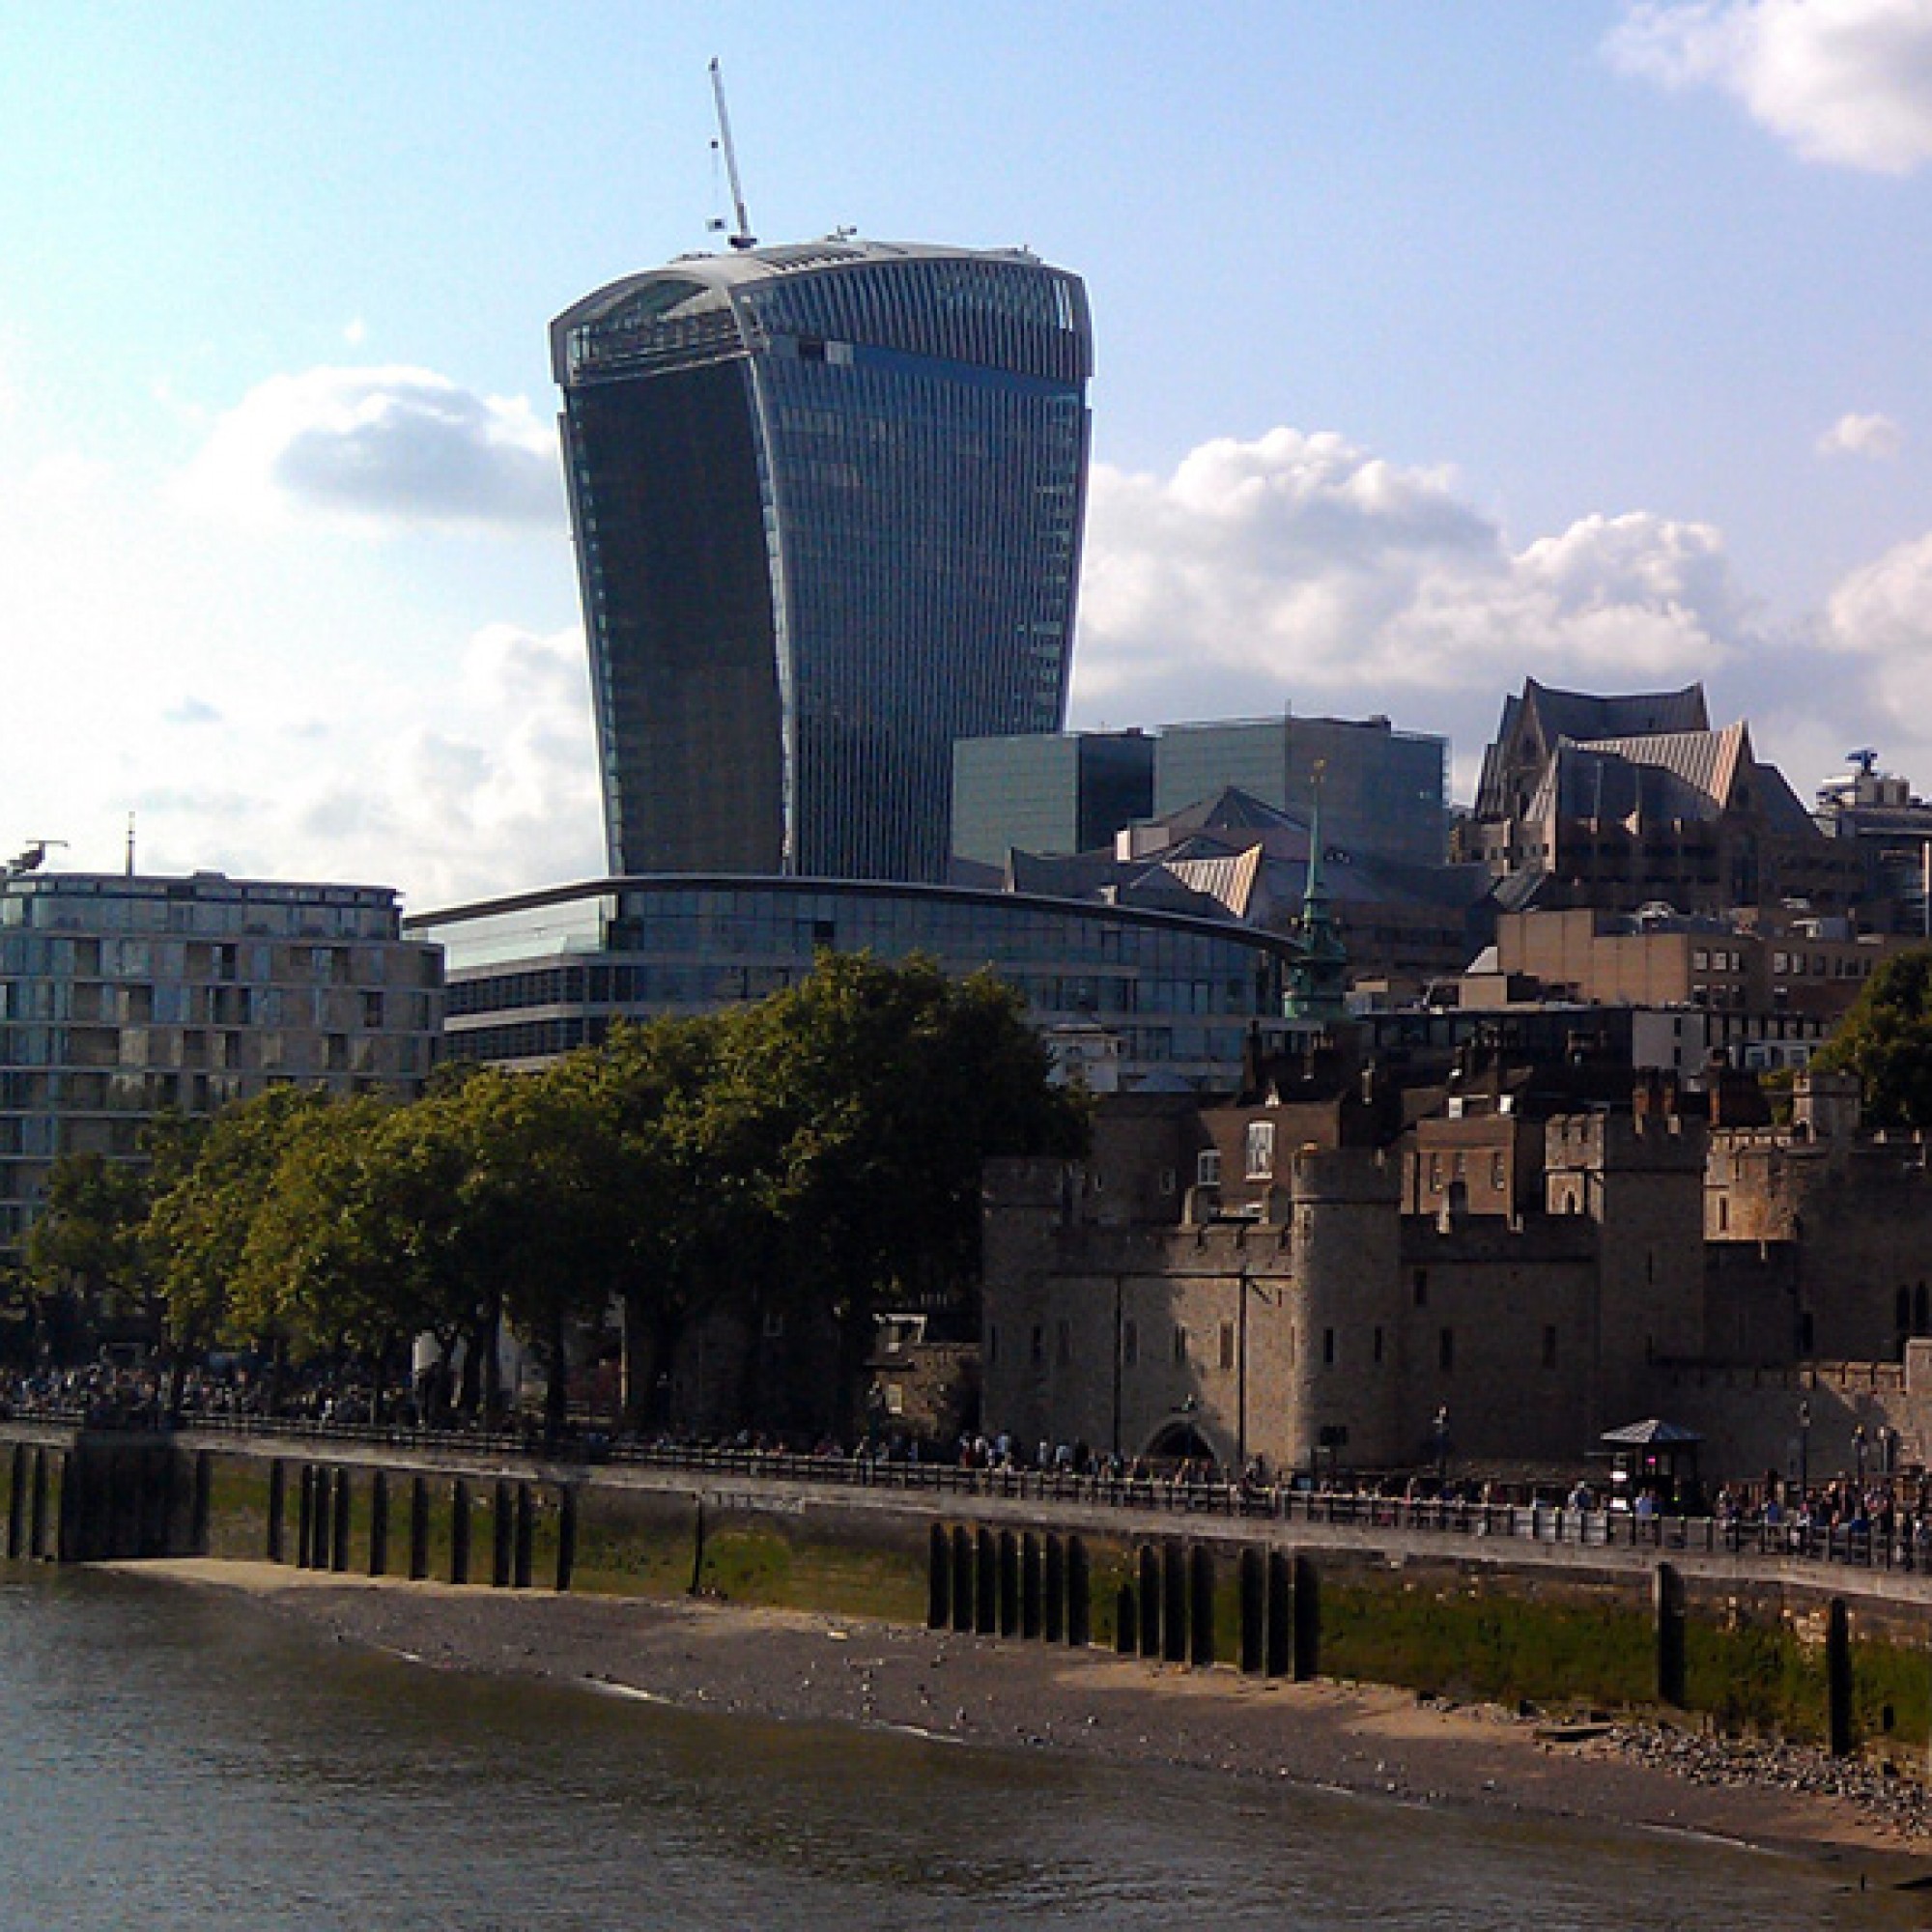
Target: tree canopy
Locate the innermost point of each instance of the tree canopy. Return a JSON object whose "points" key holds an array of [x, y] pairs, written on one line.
{"points": [[805, 1157], [1887, 1041]]}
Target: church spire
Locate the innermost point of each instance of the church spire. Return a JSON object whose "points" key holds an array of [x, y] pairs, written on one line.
{"points": [[1319, 981]]}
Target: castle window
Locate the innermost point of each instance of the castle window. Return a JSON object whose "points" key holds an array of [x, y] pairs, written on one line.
{"points": [[1378, 1347], [1260, 1149], [1328, 1348], [1227, 1345], [1435, 1174], [1422, 1287], [1208, 1168], [1130, 1343], [1723, 1213], [1179, 1346], [1445, 1350]]}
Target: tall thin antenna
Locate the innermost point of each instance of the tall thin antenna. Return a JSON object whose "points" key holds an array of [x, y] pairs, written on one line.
{"points": [[742, 237]]}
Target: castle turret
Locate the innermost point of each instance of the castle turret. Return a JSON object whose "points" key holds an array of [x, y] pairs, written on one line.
{"points": [[1342, 1377]]}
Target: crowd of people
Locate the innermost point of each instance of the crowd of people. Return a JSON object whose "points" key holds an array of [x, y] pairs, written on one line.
{"points": [[1884, 1518]]}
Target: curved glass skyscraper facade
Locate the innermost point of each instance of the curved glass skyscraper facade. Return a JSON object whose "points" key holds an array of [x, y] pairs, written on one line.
{"points": [[828, 504]]}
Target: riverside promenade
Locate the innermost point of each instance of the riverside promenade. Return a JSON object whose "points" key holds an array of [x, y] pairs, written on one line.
{"points": [[1814, 1632], [1893, 1544]]}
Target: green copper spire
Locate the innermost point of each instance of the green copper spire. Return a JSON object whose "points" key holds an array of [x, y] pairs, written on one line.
{"points": [[1319, 981]]}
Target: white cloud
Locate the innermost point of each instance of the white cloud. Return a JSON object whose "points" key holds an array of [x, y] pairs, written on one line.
{"points": [[1883, 610], [356, 331], [1843, 81], [485, 785], [1876, 436], [381, 450], [1300, 569]]}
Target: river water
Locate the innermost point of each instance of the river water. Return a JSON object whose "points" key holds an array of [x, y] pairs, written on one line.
{"points": [[178, 1761]]}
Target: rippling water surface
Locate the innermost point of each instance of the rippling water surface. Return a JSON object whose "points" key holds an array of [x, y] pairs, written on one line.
{"points": [[179, 1761]]}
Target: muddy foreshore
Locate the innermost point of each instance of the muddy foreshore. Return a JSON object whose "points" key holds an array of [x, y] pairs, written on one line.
{"points": [[813, 1669]]}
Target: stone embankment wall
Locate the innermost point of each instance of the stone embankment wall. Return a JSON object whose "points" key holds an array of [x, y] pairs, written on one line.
{"points": [[1745, 1642]]}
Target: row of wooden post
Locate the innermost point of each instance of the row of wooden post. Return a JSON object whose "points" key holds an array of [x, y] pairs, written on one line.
{"points": [[1026, 1584], [1037, 1585], [30, 1524], [323, 1508]]}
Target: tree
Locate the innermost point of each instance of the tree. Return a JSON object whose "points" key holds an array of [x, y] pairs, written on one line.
{"points": [[668, 1242], [204, 1208], [857, 1110], [1886, 1039], [535, 1213], [85, 1252], [334, 1263]]}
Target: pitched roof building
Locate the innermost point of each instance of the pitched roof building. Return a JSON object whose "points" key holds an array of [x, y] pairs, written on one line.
{"points": [[1619, 803]]}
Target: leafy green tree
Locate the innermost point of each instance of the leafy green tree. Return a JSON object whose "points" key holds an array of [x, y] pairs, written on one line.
{"points": [[530, 1228], [666, 1246], [1887, 1041], [332, 1266], [205, 1207], [85, 1252], [855, 1112]]}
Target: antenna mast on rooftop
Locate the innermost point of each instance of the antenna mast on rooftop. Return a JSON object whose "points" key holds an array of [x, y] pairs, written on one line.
{"points": [[742, 237]]}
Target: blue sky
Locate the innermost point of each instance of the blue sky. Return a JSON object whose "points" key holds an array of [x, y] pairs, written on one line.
{"points": [[1438, 345]]}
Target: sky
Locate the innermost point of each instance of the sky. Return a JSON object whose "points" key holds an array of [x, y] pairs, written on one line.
{"points": [[1438, 346]]}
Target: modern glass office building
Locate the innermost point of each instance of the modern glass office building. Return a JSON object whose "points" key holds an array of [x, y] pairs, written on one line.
{"points": [[828, 506], [1384, 792], [123, 998], [532, 977], [1067, 792]]}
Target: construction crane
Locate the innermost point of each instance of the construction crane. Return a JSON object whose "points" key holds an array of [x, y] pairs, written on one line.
{"points": [[742, 237], [31, 859]]}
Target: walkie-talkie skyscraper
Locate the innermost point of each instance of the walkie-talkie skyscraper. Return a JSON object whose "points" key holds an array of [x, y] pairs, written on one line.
{"points": [[828, 506]]}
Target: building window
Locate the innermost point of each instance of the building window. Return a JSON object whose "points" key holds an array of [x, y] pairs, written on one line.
{"points": [[1039, 1344], [1227, 1345], [1063, 1341], [1378, 1347], [1167, 1181], [1328, 1348], [1421, 1284], [1435, 1173], [1208, 1168], [1445, 1350], [894, 1398], [1260, 1149], [1179, 1346], [1130, 1343], [1499, 1171]]}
